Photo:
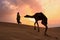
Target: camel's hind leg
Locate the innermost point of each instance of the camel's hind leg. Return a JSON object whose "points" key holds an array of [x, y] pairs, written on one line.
{"points": [[46, 27], [46, 30]]}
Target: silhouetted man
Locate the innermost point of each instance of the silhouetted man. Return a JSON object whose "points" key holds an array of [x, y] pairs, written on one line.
{"points": [[18, 18]]}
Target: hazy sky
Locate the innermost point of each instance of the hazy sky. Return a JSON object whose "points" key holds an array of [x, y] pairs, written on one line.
{"points": [[9, 9]]}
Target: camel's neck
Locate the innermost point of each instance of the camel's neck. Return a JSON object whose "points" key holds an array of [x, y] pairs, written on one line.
{"points": [[30, 16]]}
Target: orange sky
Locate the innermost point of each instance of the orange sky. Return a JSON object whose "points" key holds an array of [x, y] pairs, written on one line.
{"points": [[51, 8]]}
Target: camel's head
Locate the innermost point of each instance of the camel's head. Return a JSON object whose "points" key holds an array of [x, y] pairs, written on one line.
{"points": [[26, 16]]}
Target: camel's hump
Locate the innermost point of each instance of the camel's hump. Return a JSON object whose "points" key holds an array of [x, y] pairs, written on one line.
{"points": [[40, 15]]}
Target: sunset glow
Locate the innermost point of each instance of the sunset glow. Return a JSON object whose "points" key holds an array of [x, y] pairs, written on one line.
{"points": [[51, 8]]}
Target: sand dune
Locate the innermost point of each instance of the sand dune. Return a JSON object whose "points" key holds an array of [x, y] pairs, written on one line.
{"points": [[11, 31]]}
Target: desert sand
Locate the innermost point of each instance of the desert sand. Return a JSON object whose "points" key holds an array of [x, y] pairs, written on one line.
{"points": [[12, 31]]}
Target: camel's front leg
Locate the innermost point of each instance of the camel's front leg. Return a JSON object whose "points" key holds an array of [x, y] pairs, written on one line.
{"points": [[35, 26], [38, 26]]}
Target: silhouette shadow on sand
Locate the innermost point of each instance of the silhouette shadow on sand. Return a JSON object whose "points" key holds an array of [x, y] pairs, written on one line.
{"points": [[37, 17]]}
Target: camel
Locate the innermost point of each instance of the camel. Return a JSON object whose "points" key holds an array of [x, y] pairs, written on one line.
{"points": [[37, 17]]}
